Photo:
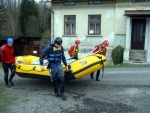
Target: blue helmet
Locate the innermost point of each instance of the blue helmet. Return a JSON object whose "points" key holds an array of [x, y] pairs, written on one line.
{"points": [[10, 40], [53, 41]]}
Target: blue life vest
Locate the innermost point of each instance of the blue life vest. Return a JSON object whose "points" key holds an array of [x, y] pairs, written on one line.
{"points": [[55, 55]]}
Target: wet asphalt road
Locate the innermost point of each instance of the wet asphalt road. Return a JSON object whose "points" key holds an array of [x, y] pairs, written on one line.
{"points": [[121, 90]]}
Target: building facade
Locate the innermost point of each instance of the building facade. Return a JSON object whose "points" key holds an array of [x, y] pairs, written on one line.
{"points": [[121, 22]]}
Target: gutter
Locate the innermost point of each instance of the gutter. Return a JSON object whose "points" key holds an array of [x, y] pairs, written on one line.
{"points": [[52, 21]]}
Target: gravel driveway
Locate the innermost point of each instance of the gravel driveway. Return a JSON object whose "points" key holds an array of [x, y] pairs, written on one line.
{"points": [[120, 91]]}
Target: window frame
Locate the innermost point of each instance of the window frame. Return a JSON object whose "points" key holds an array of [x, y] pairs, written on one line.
{"points": [[69, 3], [70, 25], [95, 2], [135, 1], [94, 25]]}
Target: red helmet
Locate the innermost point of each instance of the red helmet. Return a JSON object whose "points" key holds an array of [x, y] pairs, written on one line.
{"points": [[105, 42], [77, 42]]}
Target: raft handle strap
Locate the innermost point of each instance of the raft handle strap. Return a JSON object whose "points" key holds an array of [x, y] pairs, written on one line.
{"points": [[101, 63], [102, 70], [19, 67]]}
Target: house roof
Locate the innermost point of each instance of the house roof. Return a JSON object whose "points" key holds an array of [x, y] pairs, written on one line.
{"points": [[6, 37], [15, 37], [137, 12], [58, 1]]}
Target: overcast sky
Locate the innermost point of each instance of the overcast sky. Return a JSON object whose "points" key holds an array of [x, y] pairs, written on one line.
{"points": [[37, 0], [40, 0]]}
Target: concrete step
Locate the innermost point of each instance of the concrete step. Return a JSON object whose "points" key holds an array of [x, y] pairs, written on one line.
{"points": [[137, 55], [137, 58], [138, 51], [136, 62]]}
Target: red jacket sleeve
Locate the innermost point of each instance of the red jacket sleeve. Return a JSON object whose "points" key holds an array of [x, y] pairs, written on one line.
{"points": [[96, 48], [70, 50]]}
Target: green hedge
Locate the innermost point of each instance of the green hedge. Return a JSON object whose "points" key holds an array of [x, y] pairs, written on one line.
{"points": [[117, 55]]}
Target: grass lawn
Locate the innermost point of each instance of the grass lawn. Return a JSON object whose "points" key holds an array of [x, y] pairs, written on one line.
{"points": [[5, 98], [129, 66]]}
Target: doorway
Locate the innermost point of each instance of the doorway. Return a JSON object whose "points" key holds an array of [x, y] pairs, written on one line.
{"points": [[138, 34]]}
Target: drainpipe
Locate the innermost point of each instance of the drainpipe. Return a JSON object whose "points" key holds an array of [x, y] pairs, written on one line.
{"points": [[52, 21]]}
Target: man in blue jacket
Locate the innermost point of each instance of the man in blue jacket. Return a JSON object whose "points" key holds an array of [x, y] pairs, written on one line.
{"points": [[55, 54]]}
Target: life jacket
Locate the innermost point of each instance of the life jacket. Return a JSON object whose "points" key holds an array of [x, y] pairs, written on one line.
{"points": [[75, 51], [101, 50], [55, 55]]}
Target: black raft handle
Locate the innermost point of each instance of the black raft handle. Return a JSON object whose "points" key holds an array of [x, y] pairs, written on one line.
{"points": [[34, 68]]}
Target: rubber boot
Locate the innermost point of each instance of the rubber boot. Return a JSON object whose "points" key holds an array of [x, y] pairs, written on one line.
{"points": [[11, 84], [12, 75], [97, 75], [7, 86], [63, 96], [92, 76], [97, 79], [6, 82], [62, 87], [55, 88], [57, 94]]}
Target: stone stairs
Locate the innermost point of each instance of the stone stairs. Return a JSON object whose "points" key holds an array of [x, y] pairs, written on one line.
{"points": [[137, 56]]}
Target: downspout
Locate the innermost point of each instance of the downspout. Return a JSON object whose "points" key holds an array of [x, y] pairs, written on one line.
{"points": [[52, 21]]}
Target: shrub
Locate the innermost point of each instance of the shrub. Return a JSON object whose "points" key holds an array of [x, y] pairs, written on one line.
{"points": [[117, 55]]}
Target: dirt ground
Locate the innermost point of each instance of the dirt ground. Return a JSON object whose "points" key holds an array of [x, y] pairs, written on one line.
{"points": [[37, 96], [119, 91]]}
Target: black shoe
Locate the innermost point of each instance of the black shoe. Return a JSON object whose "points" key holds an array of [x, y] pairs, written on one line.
{"points": [[63, 96], [92, 77], [97, 79], [7, 86], [57, 94], [11, 83]]}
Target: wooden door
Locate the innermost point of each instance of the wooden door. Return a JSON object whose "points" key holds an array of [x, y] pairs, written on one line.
{"points": [[138, 34]]}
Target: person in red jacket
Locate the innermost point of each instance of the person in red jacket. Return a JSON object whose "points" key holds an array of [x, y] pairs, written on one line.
{"points": [[100, 49], [74, 49], [8, 61]]}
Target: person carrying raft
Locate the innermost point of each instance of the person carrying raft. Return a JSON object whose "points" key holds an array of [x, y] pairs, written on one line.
{"points": [[100, 49]]}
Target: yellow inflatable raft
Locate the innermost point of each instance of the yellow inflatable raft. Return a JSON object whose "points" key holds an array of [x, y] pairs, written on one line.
{"points": [[29, 67]]}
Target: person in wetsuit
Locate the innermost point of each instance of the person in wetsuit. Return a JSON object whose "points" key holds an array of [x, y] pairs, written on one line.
{"points": [[55, 53]]}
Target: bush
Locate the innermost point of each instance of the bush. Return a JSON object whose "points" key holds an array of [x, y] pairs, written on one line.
{"points": [[117, 55]]}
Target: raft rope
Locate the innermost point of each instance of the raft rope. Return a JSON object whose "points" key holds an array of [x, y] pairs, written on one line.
{"points": [[19, 67], [101, 62], [102, 70], [89, 66]]}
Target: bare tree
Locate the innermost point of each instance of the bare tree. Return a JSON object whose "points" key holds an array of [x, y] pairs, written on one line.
{"points": [[12, 12], [2, 2], [32, 27], [39, 26]]}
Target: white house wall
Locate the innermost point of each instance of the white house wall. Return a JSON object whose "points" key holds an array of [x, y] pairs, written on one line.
{"points": [[123, 26], [148, 40], [115, 26], [107, 25]]}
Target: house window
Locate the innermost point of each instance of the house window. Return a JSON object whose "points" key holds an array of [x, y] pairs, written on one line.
{"points": [[69, 2], [94, 25], [95, 1], [134, 1], [70, 24]]}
